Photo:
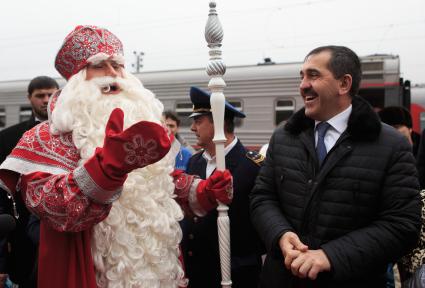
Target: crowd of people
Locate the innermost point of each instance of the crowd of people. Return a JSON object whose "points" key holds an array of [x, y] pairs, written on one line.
{"points": [[106, 193]]}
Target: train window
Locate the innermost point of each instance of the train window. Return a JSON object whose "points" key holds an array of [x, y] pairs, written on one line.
{"points": [[284, 109], [184, 109], [372, 66], [25, 113], [2, 117]]}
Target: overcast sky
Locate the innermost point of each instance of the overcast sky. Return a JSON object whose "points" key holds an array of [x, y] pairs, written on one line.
{"points": [[171, 33]]}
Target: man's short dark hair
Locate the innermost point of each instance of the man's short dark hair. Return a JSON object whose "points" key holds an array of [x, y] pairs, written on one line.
{"points": [[172, 116], [42, 82], [396, 115], [229, 123], [343, 61]]}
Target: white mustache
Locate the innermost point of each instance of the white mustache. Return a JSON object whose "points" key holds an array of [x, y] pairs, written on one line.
{"points": [[106, 81]]}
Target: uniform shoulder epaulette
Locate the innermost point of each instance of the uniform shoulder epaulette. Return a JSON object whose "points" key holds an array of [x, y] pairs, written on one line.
{"points": [[255, 157]]}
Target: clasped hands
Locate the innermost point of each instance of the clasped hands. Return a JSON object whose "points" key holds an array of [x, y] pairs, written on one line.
{"points": [[302, 262]]}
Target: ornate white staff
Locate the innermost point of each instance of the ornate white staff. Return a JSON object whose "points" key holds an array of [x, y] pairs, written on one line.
{"points": [[216, 69]]}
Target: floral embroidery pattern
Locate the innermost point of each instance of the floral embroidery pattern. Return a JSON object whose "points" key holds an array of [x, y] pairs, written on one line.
{"points": [[140, 151], [59, 200], [84, 46]]}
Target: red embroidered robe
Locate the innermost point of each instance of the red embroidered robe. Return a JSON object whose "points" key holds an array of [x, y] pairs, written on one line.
{"points": [[44, 168], [62, 195]]}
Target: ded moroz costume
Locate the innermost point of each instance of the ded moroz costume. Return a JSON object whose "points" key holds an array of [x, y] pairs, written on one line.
{"points": [[69, 191]]}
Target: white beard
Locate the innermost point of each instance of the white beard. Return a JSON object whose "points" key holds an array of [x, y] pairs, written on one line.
{"points": [[137, 245]]}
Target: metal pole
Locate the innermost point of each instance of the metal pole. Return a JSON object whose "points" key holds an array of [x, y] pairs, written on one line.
{"points": [[216, 69]]}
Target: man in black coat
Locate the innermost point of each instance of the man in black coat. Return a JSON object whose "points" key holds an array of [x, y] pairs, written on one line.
{"points": [[19, 260], [337, 197], [200, 237]]}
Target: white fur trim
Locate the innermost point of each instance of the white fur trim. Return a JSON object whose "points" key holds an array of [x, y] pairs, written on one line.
{"points": [[99, 57], [193, 199], [90, 188], [22, 166]]}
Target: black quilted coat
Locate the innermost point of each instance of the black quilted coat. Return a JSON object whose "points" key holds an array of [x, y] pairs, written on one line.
{"points": [[362, 207]]}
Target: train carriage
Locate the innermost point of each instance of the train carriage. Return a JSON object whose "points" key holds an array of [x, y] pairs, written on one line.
{"points": [[267, 93]]}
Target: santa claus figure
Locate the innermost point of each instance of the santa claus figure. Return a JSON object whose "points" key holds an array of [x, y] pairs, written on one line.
{"points": [[97, 174]]}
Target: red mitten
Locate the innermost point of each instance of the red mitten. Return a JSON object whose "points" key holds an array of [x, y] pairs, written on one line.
{"points": [[141, 144], [182, 184], [218, 187]]}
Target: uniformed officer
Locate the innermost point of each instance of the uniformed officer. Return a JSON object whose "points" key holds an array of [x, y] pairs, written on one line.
{"points": [[200, 239]]}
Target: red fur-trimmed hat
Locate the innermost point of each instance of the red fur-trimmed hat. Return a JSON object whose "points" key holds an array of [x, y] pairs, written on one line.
{"points": [[81, 44]]}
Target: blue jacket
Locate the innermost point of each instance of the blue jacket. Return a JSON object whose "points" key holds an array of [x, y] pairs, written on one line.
{"points": [[182, 158]]}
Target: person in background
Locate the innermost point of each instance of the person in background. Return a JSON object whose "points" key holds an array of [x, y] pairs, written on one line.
{"points": [[200, 236], [18, 254], [39, 91], [337, 197], [400, 119], [184, 154], [176, 127], [414, 262]]}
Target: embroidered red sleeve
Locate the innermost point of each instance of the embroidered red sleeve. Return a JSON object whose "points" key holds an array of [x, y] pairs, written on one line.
{"points": [[59, 200]]}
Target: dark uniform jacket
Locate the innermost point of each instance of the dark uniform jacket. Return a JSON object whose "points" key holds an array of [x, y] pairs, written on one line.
{"points": [[361, 207], [20, 263], [200, 238]]}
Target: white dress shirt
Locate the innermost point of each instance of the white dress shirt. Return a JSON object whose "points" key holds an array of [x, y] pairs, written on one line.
{"points": [[211, 162], [338, 124]]}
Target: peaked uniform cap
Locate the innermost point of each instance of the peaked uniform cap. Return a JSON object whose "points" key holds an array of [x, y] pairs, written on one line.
{"points": [[201, 104], [81, 44]]}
